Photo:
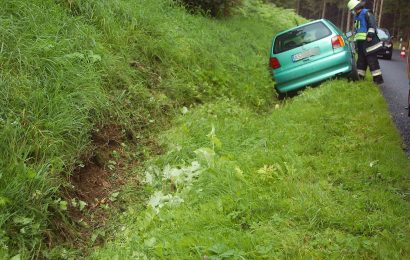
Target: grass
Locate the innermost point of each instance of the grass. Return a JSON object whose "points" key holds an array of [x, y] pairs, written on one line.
{"points": [[72, 67], [49, 96], [322, 176]]}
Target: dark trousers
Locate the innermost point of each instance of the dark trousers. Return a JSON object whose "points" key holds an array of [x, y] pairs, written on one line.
{"points": [[370, 60]]}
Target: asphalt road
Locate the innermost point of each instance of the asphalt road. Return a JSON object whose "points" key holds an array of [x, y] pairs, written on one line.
{"points": [[395, 90]]}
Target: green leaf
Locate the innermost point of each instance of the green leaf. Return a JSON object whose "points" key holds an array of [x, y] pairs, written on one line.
{"points": [[184, 110], [113, 197], [239, 174], [215, 141], [74, 202], [94, 57], [112, 162], [75, 55], [16, 257], [115, 154], [94, 238], [82, 205], [150, 243], [218, 248], [63, 205], [205, 154], [3, 201], [31, 174], [22, 220], [105, 206]]}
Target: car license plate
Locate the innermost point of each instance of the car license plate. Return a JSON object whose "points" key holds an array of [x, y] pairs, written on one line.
{"points": [[305, 54], [387, 52]]}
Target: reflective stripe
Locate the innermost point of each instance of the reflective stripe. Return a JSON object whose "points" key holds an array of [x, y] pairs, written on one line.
{"points": [[376, 73], [361, 72], [360, 36], [371, 30], [374, 47]]}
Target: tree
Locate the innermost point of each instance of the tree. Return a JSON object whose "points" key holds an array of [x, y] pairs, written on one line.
{"points": [[396, 17], [297, 6], [391, 14], [380, 12]]}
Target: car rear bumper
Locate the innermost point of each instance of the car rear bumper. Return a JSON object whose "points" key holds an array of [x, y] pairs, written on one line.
{"points": [[313, 72], [385, 51]]}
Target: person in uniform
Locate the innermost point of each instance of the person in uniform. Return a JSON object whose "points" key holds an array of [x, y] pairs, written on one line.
{"points": [[367, 41]]}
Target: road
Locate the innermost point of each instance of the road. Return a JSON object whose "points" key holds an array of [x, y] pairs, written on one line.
{"points": [[395, 90]]}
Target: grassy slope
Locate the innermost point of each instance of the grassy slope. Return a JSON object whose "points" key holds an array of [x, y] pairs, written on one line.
{"points": [[66, 71], [323, 175], [48, 97]]}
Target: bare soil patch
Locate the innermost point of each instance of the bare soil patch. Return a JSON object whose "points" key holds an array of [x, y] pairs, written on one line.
{"points": [[92, 190], [93, 181]]}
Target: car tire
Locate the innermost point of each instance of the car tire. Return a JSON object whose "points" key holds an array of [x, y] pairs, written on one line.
{"points": [[353, 75], [282, 96], [388, 57]]}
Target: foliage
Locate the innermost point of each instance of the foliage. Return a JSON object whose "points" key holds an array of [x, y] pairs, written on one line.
{"points": [[321, 176], [397, 17], [215, 8], [395, 13], [269, 13]]}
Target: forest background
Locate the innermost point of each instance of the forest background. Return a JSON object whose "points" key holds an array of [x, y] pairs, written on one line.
{"points": [[391, 14]]}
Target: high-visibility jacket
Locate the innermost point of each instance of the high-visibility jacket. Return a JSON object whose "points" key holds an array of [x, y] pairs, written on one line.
{"points": [[360, 25], [365, 26]]}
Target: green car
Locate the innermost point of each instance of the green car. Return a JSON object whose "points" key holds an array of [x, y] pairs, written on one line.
{"points": [[310, 53]]}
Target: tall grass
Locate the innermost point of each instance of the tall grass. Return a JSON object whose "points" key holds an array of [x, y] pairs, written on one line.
{"points": [[68, 67], [51, 97]]}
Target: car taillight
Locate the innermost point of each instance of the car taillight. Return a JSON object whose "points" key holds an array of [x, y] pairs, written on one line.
{"points": [[274, 63], [337, 42]]}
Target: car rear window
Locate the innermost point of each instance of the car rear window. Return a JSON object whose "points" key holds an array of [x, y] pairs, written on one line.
{"points": [[382, 34], [300, 36]]}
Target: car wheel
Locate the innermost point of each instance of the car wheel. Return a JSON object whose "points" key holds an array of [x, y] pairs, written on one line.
{"points": [[353, 75], [388, 57], [282, 96]]}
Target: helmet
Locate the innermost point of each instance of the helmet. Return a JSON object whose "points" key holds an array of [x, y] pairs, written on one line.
{"points": [[353, 4]]}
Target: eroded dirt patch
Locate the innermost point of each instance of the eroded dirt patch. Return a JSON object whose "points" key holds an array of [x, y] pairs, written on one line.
{"points": [[101, 172], [93, 190]]}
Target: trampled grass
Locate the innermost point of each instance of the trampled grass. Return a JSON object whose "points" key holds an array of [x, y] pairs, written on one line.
{"points": [[322, 176]]}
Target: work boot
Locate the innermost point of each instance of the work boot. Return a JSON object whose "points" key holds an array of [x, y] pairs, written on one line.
{"points": [[378, 79]]}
